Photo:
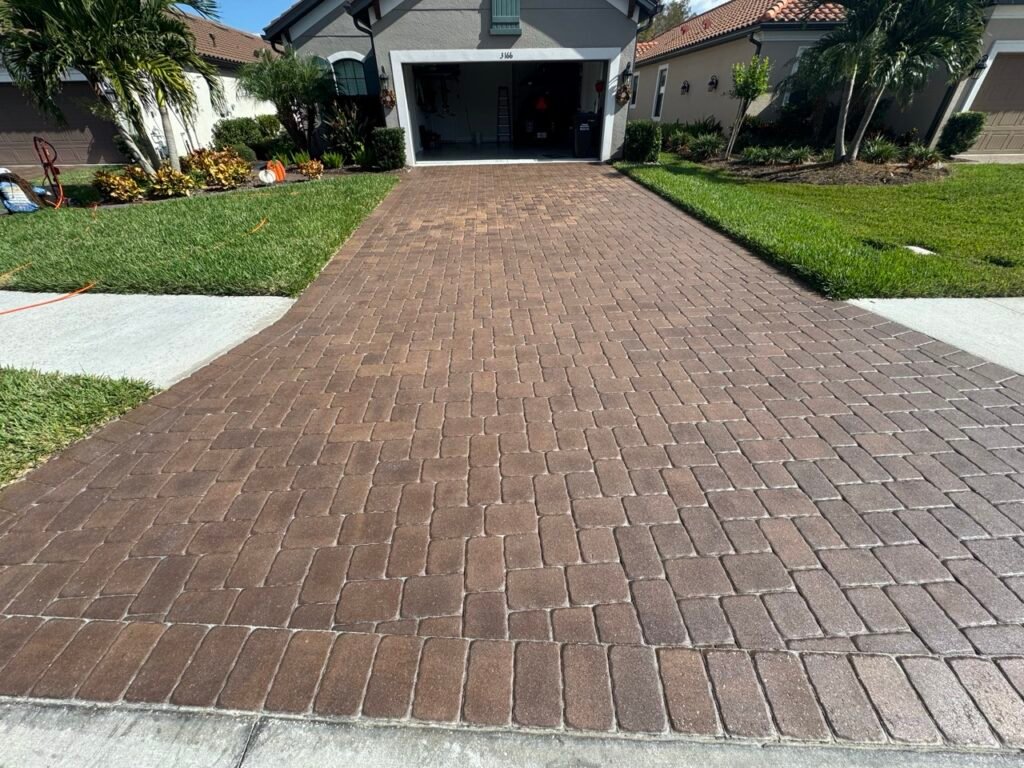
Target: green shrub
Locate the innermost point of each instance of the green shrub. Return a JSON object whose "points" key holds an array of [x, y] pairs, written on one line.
{"points": [[799, 155], [348, 129], [880, 150], [258, 133], [706, 146], [753, 156], [960, 132], [244, 151], [387, 148], [671, 136], [332, 160], [300, 157], [168, 182], [643, 141], [702, 126], [921, 156]]}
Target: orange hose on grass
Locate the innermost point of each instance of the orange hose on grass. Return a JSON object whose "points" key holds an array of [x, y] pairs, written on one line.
{"points": [[83, 289]]}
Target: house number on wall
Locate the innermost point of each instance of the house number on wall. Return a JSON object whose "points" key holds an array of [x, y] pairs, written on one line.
{"points": [[505, 55]]}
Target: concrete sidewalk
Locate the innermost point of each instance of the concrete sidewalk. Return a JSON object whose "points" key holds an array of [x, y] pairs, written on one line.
{"points": [[989, 328], [41, 735], [160, 339]]}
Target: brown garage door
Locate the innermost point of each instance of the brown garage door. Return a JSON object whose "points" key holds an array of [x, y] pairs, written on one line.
{"points": [[88, 139], [1002, 98]]}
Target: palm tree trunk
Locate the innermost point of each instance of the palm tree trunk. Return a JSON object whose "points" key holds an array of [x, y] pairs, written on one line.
{"points": [[140, 146], [844, 116], [737, 124], [862, 129], [169, 139]]}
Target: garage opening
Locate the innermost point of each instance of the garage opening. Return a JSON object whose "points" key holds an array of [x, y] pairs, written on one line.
{"points": [[506, 111]]}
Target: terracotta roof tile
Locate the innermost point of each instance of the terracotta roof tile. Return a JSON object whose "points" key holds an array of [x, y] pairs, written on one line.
{"points": [[225, 44], [734, 16]]}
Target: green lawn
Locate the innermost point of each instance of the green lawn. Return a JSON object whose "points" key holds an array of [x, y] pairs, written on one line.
{"points": [[847, 240], [40, 413], [250, 242]]}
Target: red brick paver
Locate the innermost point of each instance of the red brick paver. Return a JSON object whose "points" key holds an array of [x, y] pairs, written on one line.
{"points": [[539, 450]]}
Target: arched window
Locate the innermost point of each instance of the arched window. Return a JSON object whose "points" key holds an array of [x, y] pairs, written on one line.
{"points": [[349, 74]]}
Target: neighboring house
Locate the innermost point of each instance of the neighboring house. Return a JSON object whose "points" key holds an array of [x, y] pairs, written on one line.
{"points": [[686, 73], [88, 139], [481, 80]]}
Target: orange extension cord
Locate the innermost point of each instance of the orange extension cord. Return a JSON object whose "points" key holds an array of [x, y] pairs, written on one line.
{"points": [[83, 289]]}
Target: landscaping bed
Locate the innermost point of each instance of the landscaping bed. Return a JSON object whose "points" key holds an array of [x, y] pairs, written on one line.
{"points": [[833, 173], [41, 413], [849, 240], [256, 242]]}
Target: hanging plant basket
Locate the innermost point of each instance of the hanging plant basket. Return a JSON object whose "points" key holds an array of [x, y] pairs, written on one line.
{"points": [[623, 94], [387, 99]]}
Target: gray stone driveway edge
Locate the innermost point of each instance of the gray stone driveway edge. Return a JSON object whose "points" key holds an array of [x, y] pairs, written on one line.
{"points": [[38, 734]]}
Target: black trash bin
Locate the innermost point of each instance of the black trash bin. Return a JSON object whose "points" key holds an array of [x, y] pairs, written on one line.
{"points": [[585, 135]]}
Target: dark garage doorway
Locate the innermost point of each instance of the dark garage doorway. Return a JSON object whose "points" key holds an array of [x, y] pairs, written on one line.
{"points": [[514, 111]]}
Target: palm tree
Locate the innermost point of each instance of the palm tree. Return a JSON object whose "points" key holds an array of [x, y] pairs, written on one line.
{"points": [[916, 36], [297, 86], [843, 55], [131, 52]]}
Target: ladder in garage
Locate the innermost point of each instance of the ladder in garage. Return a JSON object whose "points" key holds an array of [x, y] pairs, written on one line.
{"points": [[504, 116]]}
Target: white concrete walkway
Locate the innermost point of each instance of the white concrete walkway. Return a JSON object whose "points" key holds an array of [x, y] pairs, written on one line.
{"points": [[989, 328], [160, 339], [37, 735]]}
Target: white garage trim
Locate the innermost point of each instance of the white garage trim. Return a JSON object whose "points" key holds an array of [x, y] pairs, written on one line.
{"points": [[344, 55], [613, 57], [1002, 46]]}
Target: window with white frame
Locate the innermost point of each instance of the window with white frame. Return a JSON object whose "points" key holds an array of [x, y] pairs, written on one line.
{"points": [[634, 87], [349, 77], [659, 93]]}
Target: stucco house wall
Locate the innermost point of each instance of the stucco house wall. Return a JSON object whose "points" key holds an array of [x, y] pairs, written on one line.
{"points": [[577, 26]]}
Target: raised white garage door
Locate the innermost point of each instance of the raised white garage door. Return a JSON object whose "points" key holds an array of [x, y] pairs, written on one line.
{"points": [[1002, 98]]}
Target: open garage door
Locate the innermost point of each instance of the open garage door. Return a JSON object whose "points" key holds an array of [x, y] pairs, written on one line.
{"points": [[1001, 97], [510, 111], [87, 139]]}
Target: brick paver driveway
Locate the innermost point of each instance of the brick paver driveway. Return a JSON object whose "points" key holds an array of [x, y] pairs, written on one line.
{"points": [[539, 449]]}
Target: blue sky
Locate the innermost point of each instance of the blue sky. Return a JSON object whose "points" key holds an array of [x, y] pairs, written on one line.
{"points": [[253, 15]]}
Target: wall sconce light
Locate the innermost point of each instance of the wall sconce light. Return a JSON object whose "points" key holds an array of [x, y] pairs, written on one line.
{"points": [[980, 67], [685, 87], [385, 79], [713, 83]]}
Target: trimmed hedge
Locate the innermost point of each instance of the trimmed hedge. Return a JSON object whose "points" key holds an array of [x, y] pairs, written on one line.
{"points": [[643, 142], [387, 148], [960, 132], [262, 134]]}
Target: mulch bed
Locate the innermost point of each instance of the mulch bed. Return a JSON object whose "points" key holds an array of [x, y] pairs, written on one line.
{"points": [[827, 173]]}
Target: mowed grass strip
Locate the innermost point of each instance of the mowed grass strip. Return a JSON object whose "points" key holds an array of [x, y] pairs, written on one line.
{"points": [[847, 241], [41, 413], [260, 242]]}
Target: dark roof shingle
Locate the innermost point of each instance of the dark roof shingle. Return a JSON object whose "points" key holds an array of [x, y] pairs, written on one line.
{"points": [[734, 16]]}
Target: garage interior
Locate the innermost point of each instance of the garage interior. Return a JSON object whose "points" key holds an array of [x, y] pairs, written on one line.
{"points": [[514, 111]]}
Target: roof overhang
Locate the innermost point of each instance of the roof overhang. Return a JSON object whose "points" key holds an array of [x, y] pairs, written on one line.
{"points": [[736, 34], [361, 8]]}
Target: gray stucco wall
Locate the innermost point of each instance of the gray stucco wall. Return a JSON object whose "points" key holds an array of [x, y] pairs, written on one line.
{"points": [[335, 32], [465, 25]]}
